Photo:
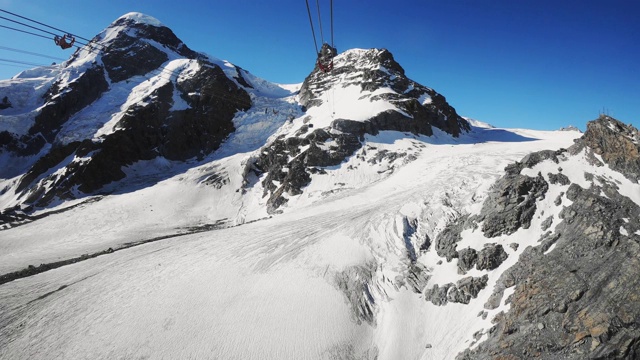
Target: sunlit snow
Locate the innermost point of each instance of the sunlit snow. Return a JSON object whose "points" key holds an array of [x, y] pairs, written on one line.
{"points": [[222, 278]]}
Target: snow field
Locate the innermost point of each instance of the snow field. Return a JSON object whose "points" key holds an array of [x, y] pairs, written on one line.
{"points": [[247, 299], [282, 287], [267, 281]]}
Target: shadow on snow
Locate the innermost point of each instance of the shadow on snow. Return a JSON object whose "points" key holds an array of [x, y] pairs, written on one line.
{"points": [[439, 137]]}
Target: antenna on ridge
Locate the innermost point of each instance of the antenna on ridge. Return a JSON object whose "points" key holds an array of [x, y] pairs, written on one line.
{"points": [[604, 112]]}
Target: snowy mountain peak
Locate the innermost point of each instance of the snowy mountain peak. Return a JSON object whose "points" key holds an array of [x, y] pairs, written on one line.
{"points": [[348, 99], [135, 93], [479, 124], [139, 18], [569, 128], [371, 59], [374, 81], [139, 26], [132, 45]]}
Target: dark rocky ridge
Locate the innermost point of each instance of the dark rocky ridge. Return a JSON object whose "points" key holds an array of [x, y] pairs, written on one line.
{"points": [[128, 55], [584, 292], [581, 300], [510, 205], [59, 104], [62, 103], [294, 174]]}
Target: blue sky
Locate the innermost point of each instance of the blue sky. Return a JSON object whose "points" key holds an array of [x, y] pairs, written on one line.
{"points": [[527, 64]]}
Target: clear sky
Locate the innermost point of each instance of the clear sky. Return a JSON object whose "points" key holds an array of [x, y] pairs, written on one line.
{"points": [[512, 63]]}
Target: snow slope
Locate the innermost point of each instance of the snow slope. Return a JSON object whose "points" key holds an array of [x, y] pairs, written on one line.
{"points": [[193, 266], [268, 289]]}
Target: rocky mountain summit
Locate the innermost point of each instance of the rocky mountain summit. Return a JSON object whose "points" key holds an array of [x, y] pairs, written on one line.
{"points": [[373, 76], [417, 107]]}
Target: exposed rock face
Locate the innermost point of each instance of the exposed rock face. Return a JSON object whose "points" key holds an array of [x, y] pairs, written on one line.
{"points": [[355, 282], [512, 205], [580, 299], [618, 145], [132, 53], [61, 103], [559, 179], [5, 104], [585, 291], [533, 159], [374, 69], [447, 240], [293, 175], [570, 128], [490, 257], [462, 292], [467, 259]]}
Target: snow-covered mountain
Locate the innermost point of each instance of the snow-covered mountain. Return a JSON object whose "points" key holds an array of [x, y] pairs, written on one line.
{"points": [[157, 202]]}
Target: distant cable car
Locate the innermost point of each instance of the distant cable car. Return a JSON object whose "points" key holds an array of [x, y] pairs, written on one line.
{"points": [[325, 58], [327, 52], [62, 41]]}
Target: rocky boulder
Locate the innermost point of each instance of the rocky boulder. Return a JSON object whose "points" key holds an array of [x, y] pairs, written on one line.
{"points": [[462, 292], [490, 257], [6, 103], [467, 259]]}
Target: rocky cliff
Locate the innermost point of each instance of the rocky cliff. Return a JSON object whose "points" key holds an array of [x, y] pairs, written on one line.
{"points": [[575, 294]]}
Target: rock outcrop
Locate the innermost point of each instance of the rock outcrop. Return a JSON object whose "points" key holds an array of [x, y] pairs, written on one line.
{"points": [[512, 205], [420, 107], [616, 143], [490, 257], [580, 300], [462, 292], [584, 292]]}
